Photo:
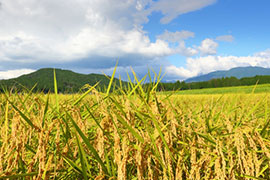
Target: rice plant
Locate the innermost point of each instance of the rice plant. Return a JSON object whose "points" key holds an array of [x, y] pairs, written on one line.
{"points": [[134, 133]]}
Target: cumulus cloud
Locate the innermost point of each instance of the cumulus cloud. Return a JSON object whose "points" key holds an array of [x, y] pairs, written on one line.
{"points": [[14, 73], [185, 51], [173, 8], [263, 54], [35, 33], [176, 39], [225, 38], [69, 30], [177, 36], [208, 47], [206, 64]]}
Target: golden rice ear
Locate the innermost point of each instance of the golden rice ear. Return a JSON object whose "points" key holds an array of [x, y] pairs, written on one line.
{"points": [[138, 133]]}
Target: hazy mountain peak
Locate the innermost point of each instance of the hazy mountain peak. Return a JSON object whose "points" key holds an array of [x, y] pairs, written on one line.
{"points": [[238, 72]]}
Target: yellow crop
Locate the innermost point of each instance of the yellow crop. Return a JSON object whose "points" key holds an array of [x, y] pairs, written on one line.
{"points": [[134, 135]]}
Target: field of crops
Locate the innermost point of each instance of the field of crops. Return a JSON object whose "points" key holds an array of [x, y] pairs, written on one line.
{"points": [[135, 134], [260, 88]]}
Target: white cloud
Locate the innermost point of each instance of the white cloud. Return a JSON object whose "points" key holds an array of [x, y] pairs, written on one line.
{"points": [[69, 30], [173, 8], [37, 33], [14, 73], [263, 54], [225, 38], [185, 51], [176, 39], [208, 47], [179, 73], [177, 36], [66, 31], [204, 65]]}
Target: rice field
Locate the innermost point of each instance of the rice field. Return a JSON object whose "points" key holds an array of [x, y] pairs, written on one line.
{"points": [[134, 134], [260, 88]]}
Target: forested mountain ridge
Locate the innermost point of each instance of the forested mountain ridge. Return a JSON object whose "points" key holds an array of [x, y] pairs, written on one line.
{"points": [[71, 82], [67, 81], [215, 83]]}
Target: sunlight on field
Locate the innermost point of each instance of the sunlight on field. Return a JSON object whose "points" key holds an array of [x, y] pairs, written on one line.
{"points": [[138, 136], [262, 88]]}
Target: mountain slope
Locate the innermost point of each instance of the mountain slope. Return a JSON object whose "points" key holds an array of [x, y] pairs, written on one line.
{"points": [[238, 72], [67, 81]]}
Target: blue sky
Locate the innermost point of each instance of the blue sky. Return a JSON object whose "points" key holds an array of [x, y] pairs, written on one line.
{"points": [[185, 38], [245, 20]]}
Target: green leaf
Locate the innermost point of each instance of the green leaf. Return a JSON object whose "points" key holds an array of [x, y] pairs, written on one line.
{"points": [[16, 176], [206, 137], [23, 116], [82, 158], [254, 88], [137, 85], [90, 147], [46, 167], [111, 81], [133, 132], [45, 110], [56, 91], [263, 169], [29, 93], [267, 121], [87, 92], [73, 165]]}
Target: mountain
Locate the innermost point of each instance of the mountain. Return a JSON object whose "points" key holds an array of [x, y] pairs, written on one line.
{"points": [[238, 72], [67, 81]]}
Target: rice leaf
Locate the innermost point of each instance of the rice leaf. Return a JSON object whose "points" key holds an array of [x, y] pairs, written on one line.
{"points": [[82, 96], [82, 158], [90, 147], [137, 85], [29, 94], [263, 131], [24, 116], [45, 111], [111, 81], [73, 165], [133, 132], [16, 176], [55, 91], [46, 167]]}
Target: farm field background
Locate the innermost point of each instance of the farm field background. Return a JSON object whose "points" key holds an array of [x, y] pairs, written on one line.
{"points": [[120, 90], [138, 134], [260, 88]]}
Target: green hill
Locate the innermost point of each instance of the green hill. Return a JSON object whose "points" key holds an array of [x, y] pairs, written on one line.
{"points": [[67, 81]]}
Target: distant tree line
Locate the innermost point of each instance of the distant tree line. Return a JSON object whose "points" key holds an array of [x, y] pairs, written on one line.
{"points": [[214, 83], [69, 82]]}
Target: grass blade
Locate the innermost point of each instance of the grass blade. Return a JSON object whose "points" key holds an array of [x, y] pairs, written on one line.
{"points": [[29, 93], [46, 167], [45, 110], [137, 85], [23, 116], [253, 90], [90, 146], [19, 175], [87, 92], [55, 91], [6, 121], [266, 120], [82, 158], [111, 81], [73, 165], [133, 132]]}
